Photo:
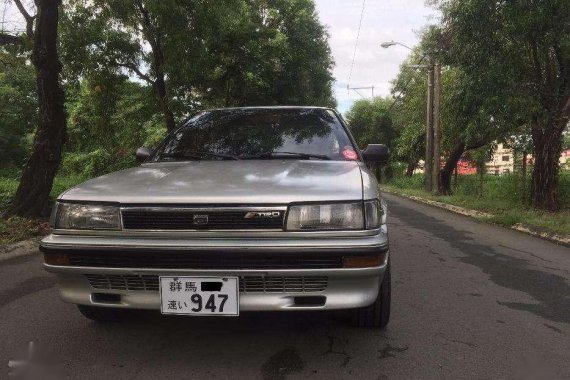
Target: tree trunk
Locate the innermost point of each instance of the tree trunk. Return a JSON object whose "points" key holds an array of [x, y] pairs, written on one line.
{"points": [[445, 174], [414, 155], [412, 165], [32, 195], [547, 148], [154, 40], [160, 86]]}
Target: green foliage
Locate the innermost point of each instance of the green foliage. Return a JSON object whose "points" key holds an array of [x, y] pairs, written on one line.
{"points": [[409, 109], [10, 177], [18, 109], [501, 198], [270, 53], [370, 122], [109, 117], [414, 182], [500, 193], [90, 164], [222, 53]]}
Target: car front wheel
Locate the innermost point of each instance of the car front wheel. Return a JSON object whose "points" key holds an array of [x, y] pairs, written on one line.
{"points": [[378, 314]]}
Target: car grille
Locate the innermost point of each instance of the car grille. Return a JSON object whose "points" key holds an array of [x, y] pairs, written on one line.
{"points": [[190, 219], [273, 284], [123, 282], [204, 260], [247, 284]]}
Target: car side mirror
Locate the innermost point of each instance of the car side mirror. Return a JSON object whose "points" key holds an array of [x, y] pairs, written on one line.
{"points": [[142, 154], [376, 154]]}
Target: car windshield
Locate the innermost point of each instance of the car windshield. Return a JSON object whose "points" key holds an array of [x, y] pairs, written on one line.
{"points": [[258, 133]]}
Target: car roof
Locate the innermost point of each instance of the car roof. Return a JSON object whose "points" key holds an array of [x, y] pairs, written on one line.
{"points": [[268, 108]]}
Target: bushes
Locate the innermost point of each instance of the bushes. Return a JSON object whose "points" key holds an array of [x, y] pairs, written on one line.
{"points": [[499, 192], [414, 182], [93, 164]]}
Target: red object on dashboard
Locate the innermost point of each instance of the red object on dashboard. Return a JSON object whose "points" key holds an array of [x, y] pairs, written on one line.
{"points": [[349, 154]]}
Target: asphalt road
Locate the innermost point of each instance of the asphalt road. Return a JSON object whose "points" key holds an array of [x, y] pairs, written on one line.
{"points": [[469, 301]]}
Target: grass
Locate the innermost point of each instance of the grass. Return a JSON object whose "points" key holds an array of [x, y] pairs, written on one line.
{"points": [[501, 197], [15, 228]]}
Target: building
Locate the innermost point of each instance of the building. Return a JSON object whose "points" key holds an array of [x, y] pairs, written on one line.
{"points": [[502, 161]]}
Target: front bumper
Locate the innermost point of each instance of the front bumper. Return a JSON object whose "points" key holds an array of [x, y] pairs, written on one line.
{"points": [[345, 288]]}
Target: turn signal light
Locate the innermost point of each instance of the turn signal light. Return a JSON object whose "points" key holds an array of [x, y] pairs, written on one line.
{"points": [[56, 259], [364, 261]]}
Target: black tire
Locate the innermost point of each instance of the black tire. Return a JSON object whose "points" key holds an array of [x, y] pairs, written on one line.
{"points": [[376, 315], [102, 314]]}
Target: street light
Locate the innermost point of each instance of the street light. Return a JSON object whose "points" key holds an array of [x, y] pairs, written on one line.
{"points": [[433, 137], [386, 45]]}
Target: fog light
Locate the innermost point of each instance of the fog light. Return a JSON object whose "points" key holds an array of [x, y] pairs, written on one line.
{"points": [[364, 261], [56, 259]]}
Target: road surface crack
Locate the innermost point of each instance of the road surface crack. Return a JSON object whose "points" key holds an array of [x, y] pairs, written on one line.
{"points": [[331, 347]]}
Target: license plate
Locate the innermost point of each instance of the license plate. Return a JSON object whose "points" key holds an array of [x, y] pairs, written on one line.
{"points": [[199, 295]]}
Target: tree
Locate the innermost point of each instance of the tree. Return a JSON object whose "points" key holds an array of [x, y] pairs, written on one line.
{"points": [[138, 36], [108, 117], [518, 54], [465, 123], [371, 123], [462, 121], [18, 113], [266, 53], [409, 111], [270, 53], [31, 198]]}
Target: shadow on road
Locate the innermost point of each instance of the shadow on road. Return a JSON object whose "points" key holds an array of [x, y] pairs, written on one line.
{"points": [[504, 270]]}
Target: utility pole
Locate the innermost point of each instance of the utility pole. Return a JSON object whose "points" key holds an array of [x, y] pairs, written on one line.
{"points": [[428, 165], [436, 126]]}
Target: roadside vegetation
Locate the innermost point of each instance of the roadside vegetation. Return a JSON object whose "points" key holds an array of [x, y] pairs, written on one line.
{"points": [[16, 228], [499, 196]]}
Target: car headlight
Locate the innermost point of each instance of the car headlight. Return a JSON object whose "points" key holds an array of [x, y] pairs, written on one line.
{"points": [[76, 216], [333, 216]]}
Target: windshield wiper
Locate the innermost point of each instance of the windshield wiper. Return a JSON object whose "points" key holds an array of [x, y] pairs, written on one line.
{"points": [[197, 155], [292, 154]]}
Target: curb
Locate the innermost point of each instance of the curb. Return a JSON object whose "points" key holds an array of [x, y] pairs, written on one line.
{"points": [[21, 248], [552, 237]]}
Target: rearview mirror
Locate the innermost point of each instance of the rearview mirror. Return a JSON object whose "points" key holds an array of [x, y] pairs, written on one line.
{"points": [[376, 154], [142, 154]]}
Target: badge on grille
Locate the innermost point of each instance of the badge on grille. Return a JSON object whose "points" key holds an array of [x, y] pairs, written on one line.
{"points": [[200, 219], [263, 215]]}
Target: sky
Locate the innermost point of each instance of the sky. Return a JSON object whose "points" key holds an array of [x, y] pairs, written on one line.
{"points": [[383, 20]]}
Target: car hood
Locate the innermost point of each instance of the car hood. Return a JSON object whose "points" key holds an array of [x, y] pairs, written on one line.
{"points": [[226, 182]]}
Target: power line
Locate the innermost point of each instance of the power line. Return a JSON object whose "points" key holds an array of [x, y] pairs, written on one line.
{"points": [[356, 44]]}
